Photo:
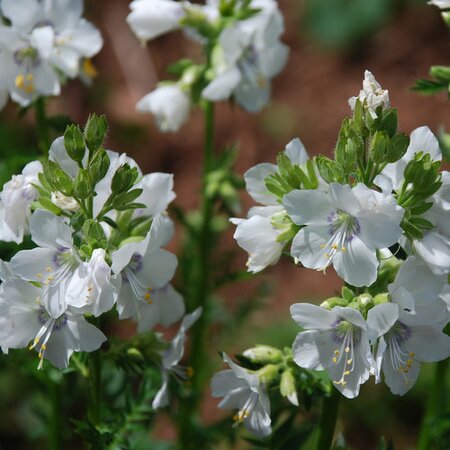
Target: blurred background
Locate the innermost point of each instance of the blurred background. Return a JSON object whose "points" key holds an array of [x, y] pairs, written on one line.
{"points": [[331, 43]]}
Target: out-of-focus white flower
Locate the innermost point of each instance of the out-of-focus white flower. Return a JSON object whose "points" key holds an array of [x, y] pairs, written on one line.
{"points": [[169, 104], [405, 340], [442, 4], [151, 18], [344, 227], [257, 234], [54, 337], [244, 391], [172, 357], [335, 340], [15, 200], [371, 96], [44, 37], [249, 54]]}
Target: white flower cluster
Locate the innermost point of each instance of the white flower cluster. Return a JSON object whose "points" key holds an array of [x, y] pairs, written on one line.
{"points": [[44, 42], [246, 55], [388, 238], [46, 291]]}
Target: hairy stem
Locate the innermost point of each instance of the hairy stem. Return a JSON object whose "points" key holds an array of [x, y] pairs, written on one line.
{"points": [[328, 420]]}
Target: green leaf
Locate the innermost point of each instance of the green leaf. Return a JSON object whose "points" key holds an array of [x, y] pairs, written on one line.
{"points": [[74, 143], [95, 132]]}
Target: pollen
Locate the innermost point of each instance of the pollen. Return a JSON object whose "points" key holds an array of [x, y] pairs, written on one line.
{"points": [[347, 349], [89, 68], [343, 249], [322, 245], [20, 81], [48, 269], [337, 352], [189, 371], [334, 359], [335, 246], [349, 361], [39, 275]]}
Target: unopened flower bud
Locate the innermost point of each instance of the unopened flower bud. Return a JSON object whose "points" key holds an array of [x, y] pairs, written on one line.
{"points": [[287, 387], [263, 354], [268, 373], [365, 300], [135, 354], [65, 203], [381, 298]]}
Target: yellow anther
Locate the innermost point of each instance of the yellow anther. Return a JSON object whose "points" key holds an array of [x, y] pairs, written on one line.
{"points": [[343, 249], [44, 347], [322, 245], [147, 296], [48, 269], [189, 371], [327, 255], [409, 363], [39, 275], [344, 383], [89, 68], [20, 81], [337, 352], [334, 359], [30, 77], [236, 417], [347, 372], [347, 349], [29, 88], [334, 246], [349, 361], [411, 354]]}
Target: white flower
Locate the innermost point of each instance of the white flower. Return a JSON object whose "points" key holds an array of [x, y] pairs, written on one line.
{"points": [[243, 390], [44, 37], [157, 193], [151, 18], [434, 249], [53, 263], [64, 202], [249, 54], [15, 201], [91, 288], [371, 96], [166, 308], [336, 341], [442, 4], [421, 140], [405, 340], [257, 235], [344, 227], [169, 104], [54, 337], [141, 269], [415, 284], [172, 357]]}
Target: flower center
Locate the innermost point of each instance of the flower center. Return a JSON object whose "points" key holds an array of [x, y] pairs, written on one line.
{"points": [[49, 324], [400, 360], [129, 275], [248, 65], [246, 410], [347, 336], [27, 59]]}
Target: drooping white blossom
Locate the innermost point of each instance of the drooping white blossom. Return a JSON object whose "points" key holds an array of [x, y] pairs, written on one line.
{"points": [[244, 391], [15, 202], [151, 18], [335, 340], [344, 227], [44, 38], [257, 234], [249, 54], [171, 358], [54, 337], [371, 96], [442, 4], [405, 340], [169, 104]]}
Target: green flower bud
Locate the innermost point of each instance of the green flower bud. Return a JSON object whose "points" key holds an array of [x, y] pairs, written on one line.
{"points": [[268, 373], [82, 185], [74, 143], [95, 132], [135, 354], [263, 354], [123, 179], [441, 73], [287, 387], [99, 165], [365, 300], [381, 298], [334, 301]]}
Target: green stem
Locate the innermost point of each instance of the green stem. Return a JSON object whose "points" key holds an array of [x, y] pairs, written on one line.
{"points": [[95, 385], [435, 405], [188, 414], [328, 420], [42, 126], [55, 426]]}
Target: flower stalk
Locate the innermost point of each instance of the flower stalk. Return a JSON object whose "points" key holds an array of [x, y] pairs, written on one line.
{"points": [[328, 419], [42, 125]]}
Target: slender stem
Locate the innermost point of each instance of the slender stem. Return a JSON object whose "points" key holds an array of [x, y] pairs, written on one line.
{"points": [[95, 393], [328, 420], [435, 405], [54, 426], [42, 125], [188, 414]]}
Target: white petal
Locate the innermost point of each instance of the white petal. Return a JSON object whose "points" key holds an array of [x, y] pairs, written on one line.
{"points": [[296, 152], [256, 186], [423, 140], [24, 14], [381, 318], [314, 349], [223, 85], [308, 247], [48, 230], [311, 316], [308, 207]]}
